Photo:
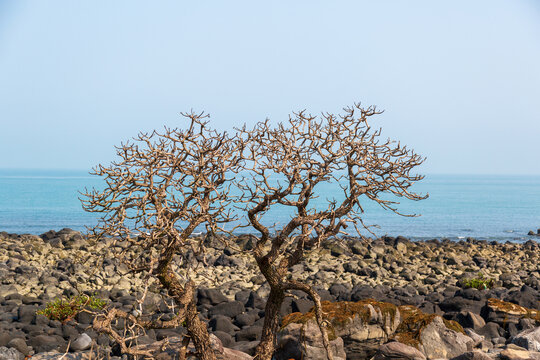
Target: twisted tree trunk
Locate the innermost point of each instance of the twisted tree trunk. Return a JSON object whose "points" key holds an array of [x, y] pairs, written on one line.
{"points": [[184, 296], [266, 347]]}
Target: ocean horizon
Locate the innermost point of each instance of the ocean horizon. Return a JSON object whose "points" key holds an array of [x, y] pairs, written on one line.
{"points": [[490, 207]]}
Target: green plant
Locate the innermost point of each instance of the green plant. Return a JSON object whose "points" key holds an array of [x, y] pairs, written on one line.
{"points": [[65, 309], [480, 282]]}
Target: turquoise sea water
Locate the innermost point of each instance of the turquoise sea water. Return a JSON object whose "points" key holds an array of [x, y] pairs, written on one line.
{"points": [[485, 207]]}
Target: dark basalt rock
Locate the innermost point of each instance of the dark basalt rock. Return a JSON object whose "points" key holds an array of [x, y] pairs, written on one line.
{"points": [[223, 323], [247, 319], [210, 296], [251, 333], [255, 301], [44, 343], [340, 291]]}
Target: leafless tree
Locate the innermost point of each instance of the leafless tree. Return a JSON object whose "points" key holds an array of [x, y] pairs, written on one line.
{"points": [[163, 187], [285, 166]]}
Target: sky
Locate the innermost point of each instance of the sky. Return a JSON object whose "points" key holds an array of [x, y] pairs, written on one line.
{"points": [[459, 80]]}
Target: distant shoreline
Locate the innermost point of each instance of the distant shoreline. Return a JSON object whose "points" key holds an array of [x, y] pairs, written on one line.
{"points": [[518, 240]]}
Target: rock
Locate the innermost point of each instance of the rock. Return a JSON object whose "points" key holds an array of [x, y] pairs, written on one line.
{"points": [[5, 338], [468, 319], [247, 347], [225, 338], [477, 339], [526, 324], [229, 261], [168, 349], [503, 312], [232, 354], [44, 343], [246, 319], [55, 355], [458, 304], [210, 296], [526, 297], [434, 336], [440, 342], [229, 309], [251, 333], [242, 296], [304, 341], [363, 326], [397, 351], [473, 355], [10, 354], [83, 342], [255, 301], [337, 250], [20, 345], [301, 305], [514, 354], [223, 323], [84, 317], [510, 280], [401, 247], [358, 248], [363, 292], [340, 292], [528, 339], [27, 313], [491, 330]]}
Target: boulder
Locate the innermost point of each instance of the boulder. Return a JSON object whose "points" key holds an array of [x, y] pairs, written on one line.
{"points": [[528, 339], [397, 351], [222, 323], [469, 319], [491, 330], [20, 345], [45, 343], [210, 296], [170, 347], [526, 297], [304, 341], [246, 347], [251, 333], [504, 313], [440, 342], [82, 342], [10, 354], [516, 354], [473, 355], [363, 327], [228, 309], [435, 336]]}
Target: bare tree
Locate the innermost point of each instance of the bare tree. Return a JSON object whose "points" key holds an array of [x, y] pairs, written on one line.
{"points": [[163, 187], [285, 166]]}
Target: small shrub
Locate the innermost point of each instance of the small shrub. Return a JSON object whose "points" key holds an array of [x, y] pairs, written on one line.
{"points": [[65, 309], [480, 283]]}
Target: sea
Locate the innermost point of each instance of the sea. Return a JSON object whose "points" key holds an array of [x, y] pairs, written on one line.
{"points": [[490, 207]]}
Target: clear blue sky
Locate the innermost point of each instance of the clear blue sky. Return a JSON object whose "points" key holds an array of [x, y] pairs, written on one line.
{"points": [[459, 80]]}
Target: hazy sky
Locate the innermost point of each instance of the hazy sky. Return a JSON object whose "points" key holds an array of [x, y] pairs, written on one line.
{"points": [[460, 81]]}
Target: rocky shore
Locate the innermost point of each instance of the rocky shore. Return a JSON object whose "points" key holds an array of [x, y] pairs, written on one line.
{"points": [[388, 298]]}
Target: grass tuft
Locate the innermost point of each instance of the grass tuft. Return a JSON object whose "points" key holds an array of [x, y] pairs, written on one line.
{"points": [[63, 309], [480, 282]]}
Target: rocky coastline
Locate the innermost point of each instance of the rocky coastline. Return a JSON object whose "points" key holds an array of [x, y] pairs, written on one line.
{"points": [[386, 287]]}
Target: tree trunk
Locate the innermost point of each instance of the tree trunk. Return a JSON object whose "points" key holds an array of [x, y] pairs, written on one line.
{"points": [[199, 333], [267, 346], [184, 296]]}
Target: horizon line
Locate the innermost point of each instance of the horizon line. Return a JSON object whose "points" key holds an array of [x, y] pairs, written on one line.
{"points": [[87, 170]]}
